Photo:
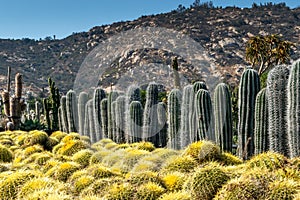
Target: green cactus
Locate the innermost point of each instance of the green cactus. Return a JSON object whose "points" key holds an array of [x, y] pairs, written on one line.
{"points": [[174, 108], [150, 121], [82, 100], [135, 122], [261, 133], [293, 110], [204, 116], [248, 89], [72, 114], [64, 118], [99, 94], [277, 101], [91, 122], [223, 118], [112, 96], [120, 119], [86, 128], [162, 121], [185, 129], [104, 117], [113, 125]]}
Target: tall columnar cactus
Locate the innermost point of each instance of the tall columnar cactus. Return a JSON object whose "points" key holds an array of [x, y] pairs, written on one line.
{"points": [[261, 133], [277, 100], [194, 136], [175, 73], [104, 117], [150, 122], [112, 96], [248, 89], [185, 130], [204, 116], [293, 109], [86, 128], [120, 119], [92, 133], [174, 109], [113, 125], [223, 118], [99, 94], [37, 110], [60, 126], [135, 122], [64, 117], [82, 100], [133, 94], [72, 113], [162, 122]]}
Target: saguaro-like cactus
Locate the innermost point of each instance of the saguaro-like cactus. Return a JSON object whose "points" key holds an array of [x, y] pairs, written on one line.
{"points": [[72, 113], [150, 123], [113, 125], [277, 100], [86, 129], [261, 133], [293, 110], [112, 96], [104, 117], [120, 119], [194, 135], [185, 129], [135, 122], [162, 121], [92, 132], [37, 110], [82, 100], [204, 116], [248, 89], [99, 94], [174, 109], [223, 118], [64, 117]]}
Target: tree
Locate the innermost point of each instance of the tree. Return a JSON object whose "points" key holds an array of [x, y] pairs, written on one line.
{"points": [[263, 52], [196, 3]]}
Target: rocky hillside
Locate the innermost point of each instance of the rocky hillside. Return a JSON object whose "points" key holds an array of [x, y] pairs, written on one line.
{"points": [[222, 32]]}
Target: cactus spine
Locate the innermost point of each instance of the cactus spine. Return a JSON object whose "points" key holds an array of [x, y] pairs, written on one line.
{"points": [[223, 118], [150, 123], [135, 122], [174, 109], [248, 89], [82, 100], [277, 101], [99, 94], [120, 119], [261, 133], [112, 96], [72, 114], [293, 110], [204, 115], [64, 117], [185, 130], [104, 117], [162, 121]]}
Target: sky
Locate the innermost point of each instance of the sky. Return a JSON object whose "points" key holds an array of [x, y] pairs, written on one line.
{"points": [[37, 19]]}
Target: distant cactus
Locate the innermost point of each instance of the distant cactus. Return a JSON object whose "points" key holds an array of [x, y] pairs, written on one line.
{"points": [[277, 100], [248, 89], [99, 94], [113, 125], [162, 121], [37, 110], [120, 119], [150, 122], [112, 96], [192, 114], [174, 109], [203, 107], [64, 117], [82, 100], [223, 118], [185, 130], [135, 122], [104, 117], [71, 106], [293, 110], [261, 133]]}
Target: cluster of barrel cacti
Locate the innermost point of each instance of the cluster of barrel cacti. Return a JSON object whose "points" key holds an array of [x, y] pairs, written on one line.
{"points": [[268, 118]]}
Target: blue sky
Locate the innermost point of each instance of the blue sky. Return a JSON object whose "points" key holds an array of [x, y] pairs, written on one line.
{"points": [[40, 18]]}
